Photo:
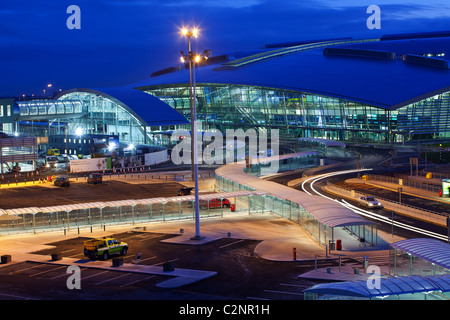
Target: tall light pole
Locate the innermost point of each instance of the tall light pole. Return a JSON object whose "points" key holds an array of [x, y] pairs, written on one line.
{"points": [[193, 58]]}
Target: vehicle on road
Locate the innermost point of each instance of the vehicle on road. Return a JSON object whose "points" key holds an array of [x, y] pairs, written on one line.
{"points": [[369, 202], [103, 248], [215, 203], [51, 161], [62, 181], [95, 178]]}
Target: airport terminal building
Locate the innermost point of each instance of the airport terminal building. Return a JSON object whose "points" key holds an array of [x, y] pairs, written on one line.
{"points": [[390, 90]]}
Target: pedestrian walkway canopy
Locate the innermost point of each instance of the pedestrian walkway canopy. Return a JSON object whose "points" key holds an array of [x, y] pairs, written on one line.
{"points": [[326, 211], [432, 250], [319, 216], [133, 202], [430, 287]]}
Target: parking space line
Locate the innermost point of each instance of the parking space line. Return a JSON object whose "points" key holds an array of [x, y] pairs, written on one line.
{"points": [[16, 296], [229, 244], [95, 274], [110, 279], [156, 264], [76, 255], [68, 250], [131, 257], [36, 274], [16, 271], [130, 283], [150, 238]]}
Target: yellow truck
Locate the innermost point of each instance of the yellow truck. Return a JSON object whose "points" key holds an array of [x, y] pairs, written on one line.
{"points": [[53, 152], [102, 248]]}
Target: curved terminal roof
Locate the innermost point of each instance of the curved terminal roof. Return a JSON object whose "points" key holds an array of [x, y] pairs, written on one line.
{"points": [[326, 211], [145, 107], [372, 71], [432, 250], [388, 286]]}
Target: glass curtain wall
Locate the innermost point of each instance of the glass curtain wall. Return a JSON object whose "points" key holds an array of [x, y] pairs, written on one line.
{"points": [[103, 116], [300, 114], [402, 263]]}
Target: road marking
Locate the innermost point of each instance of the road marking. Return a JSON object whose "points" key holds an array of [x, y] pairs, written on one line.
{"points": [[143, 259], [17, 297], [95, 274], [151, 238], [65, 199], [36, 274], [76, 255], [130, 283], [110, 279], [164, 262], [68, 250], [255, 298], [37, 266], [64, 274], [229, 244]]}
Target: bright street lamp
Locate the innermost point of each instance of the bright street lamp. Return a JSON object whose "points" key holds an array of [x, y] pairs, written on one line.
{"points": [[193, 59]]}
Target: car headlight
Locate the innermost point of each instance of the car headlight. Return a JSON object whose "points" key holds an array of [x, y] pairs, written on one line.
{"points": [[370, 204]]}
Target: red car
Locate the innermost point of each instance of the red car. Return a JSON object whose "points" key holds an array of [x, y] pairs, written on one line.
{"points": [[215, 203]]}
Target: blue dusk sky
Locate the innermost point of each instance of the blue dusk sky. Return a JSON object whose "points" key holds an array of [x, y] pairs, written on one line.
{"points": [[124, 41]]}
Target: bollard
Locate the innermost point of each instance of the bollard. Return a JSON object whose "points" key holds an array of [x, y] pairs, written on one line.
{"points": [[56, 256], [229, 234], [91, 229], [5, 259], [294, 253], [181, 230], [168, 266], [117, 262]]}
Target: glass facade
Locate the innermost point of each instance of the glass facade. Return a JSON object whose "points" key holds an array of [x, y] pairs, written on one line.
{"points": [[301, 114], [103, 116]]}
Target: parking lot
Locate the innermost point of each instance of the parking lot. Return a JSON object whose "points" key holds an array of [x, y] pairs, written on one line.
{"points": [[241, 274], [80, 191]]}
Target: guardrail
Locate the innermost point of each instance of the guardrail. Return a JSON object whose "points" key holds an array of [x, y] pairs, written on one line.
{"points": [[405, 182], [419, 213]]}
